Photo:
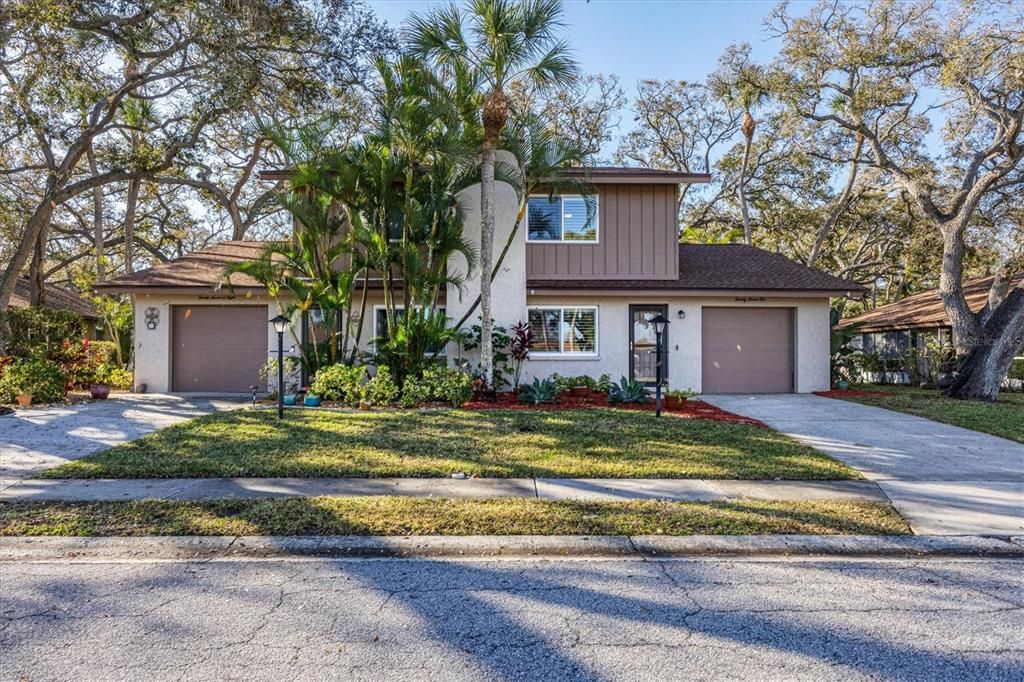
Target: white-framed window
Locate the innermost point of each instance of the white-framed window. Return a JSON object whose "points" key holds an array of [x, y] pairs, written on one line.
{"points": [[564, 219], [380, 324], [563, 330]]}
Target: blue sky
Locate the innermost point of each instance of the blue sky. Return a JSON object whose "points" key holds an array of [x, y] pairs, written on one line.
{"points": [[638, 39]]}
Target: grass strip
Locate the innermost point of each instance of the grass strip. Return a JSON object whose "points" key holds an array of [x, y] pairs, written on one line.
{"points": [[1004, 418], [598, 443], [427, 516]]}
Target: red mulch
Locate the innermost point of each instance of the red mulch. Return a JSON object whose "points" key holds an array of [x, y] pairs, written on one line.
{"points": [[851, 393], [691, 409]]}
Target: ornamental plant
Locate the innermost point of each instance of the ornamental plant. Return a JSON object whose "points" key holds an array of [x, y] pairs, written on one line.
{"points": [[42, 379], [340, 383]]}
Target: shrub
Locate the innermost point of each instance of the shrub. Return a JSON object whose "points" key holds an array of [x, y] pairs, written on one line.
{"points": [[339, 382], [438, 384], [682, 394], [41, 332], [381, 389], [567, 383], [113, 376], [40, 378], [604, 383], [452, 386], [540, 391], [628, 391], [89, 362]]}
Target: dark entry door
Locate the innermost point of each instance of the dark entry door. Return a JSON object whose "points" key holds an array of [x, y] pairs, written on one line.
{"points": [[642, 343]]}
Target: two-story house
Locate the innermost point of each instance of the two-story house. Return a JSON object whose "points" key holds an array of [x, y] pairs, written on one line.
{"points": [[588, 274]]}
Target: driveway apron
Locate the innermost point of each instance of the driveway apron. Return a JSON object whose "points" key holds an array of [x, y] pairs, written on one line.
{"points": [[943, 479], [35, 439]]}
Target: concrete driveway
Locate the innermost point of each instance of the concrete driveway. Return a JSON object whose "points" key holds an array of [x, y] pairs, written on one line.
{"points": [[945, 480], [35, 439]]}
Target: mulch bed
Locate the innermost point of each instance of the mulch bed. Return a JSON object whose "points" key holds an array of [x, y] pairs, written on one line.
{"points": [[851, 393], [691, 409]]}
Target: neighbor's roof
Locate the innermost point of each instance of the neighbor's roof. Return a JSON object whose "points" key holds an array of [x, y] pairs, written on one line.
{"points": [[923, 310], [203, 268], [56, 297], [724, 267], [595, 174]]}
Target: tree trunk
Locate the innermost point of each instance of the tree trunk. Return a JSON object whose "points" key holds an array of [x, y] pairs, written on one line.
{"points": [[486, 260], [37, 291], [129, 226], [742, 190], [966, 330], [1002, 339], [97, 220], [840, 206]]}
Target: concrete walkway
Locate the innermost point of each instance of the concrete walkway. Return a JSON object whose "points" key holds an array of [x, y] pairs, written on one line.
{"points": [[608, 489], [943, 479], [35, 439]]}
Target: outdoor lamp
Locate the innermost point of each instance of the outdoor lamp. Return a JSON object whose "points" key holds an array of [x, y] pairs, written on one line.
{"points": [[280, 325], [660, 323]]}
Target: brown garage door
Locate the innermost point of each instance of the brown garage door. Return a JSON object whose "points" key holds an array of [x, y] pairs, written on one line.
{"points": [[747, 350], [217, 347]]}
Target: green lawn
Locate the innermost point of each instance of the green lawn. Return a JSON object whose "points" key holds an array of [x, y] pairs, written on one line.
{"points": [[1004, 418], [491, 443], [419, 516]]}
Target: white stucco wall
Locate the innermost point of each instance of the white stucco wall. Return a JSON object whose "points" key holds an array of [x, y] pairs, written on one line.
{"points": [[684, 345], [153, 346], [508, 290]]}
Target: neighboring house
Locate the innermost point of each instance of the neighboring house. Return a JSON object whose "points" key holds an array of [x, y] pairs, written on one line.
{"points": [[915, 320], [57, 298], [742, 319]]}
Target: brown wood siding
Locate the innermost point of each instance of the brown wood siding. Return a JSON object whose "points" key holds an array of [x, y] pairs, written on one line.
{"points": [[638, 238]]}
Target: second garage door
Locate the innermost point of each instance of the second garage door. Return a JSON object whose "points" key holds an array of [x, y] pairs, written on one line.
{"points": [[747, 350], [217, 348]]}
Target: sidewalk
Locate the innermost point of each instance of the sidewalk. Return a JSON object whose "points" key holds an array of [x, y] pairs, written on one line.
{"points": [[98, 490]]}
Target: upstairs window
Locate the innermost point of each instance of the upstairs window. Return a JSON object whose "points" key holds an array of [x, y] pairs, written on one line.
{"points": [[561, 219]]}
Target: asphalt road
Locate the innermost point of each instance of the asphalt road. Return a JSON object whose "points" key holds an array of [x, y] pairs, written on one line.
{"points": [[570, 619]]}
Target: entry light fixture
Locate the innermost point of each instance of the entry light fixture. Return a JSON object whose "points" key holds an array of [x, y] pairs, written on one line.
{"points": [[681, 314], [280, 324]]}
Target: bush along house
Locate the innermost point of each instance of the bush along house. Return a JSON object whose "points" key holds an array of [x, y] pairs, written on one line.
{"points": [[588, 273]]}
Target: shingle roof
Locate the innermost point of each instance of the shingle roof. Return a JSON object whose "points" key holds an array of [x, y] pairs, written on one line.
{"points": [[724, 266], [56, 297], [923, 310], [606, 174], [203, 268]]}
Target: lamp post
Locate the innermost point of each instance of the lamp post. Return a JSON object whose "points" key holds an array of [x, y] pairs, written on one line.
{"points": [[280, 325], [660, 323]]}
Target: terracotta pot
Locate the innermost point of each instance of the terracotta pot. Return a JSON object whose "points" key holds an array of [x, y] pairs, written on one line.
{"points": [[363, 405], [24, 400], [99, 391], [674, 402]]}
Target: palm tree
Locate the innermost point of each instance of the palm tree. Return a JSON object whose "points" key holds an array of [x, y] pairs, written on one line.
{"points": [[490, 46], [747, 93]]}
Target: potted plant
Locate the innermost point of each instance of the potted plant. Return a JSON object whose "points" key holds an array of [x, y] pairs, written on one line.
{"points": [[674, 400], [311, 400], [24, 399]]}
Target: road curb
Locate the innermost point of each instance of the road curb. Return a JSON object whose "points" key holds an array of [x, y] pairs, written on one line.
{"points": [[526, 546]]}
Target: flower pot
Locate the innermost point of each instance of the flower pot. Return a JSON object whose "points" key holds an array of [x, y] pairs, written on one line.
{"points": [[99, 391], [363, 405], [290, 399], [944, 380], [24, 400], [141, 388], [673, 402], [842, 385], [311, 400]]}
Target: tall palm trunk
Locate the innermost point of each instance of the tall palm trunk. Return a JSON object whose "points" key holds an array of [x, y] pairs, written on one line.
{"points": [[748, 133], [97, 220], [129, 225], [495, 114]]}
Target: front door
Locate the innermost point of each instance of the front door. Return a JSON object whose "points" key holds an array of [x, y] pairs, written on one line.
{"points": [[642, 343]]}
